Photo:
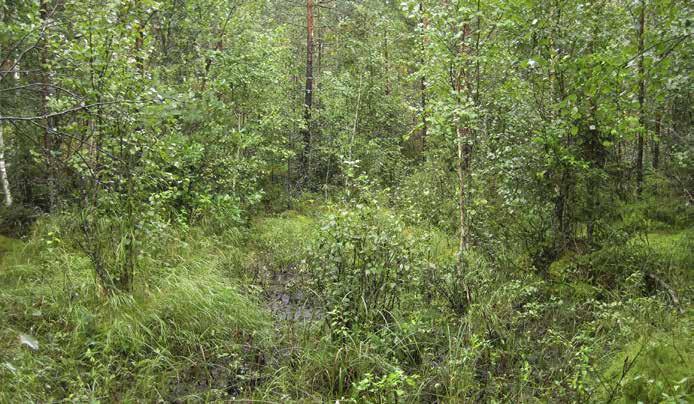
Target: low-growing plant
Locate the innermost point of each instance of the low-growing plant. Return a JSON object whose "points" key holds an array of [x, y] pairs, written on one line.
{"points": [[187, 332]]}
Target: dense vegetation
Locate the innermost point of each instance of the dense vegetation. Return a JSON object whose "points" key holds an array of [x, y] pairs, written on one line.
{"points": [[346, 200]]}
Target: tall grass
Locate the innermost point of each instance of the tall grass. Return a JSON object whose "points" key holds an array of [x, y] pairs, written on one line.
{"points": [[188, 331]]}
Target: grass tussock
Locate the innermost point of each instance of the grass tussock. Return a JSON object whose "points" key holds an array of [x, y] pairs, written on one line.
{"points": [[189, 331]]}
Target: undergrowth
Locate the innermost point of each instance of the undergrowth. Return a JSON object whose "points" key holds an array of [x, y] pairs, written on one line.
{"points": [[188, 331], [390, 317]]}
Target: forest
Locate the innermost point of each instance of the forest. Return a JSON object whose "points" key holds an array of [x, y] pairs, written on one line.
{"points": [[348, 201]]}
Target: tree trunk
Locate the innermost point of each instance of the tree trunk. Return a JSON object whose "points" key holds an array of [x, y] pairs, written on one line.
{"points": [[386, 62], [308, 94], [463, 133], [656, 141], [462, 139], [596, 156], [3, 167], [423, 79], [49, 123], [3, 171], [563, 183], [642, 98]]}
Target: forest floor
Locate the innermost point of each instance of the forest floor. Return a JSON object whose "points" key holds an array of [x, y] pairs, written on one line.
{"points": [[238, 315]]}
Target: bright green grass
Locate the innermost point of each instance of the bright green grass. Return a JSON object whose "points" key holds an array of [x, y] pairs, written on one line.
{"points": [[8, 246], [189, 332]]}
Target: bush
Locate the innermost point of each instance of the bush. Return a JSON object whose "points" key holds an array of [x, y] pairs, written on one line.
{"points": [[16, 220], [363, 262], [657, 213], [609, 267], [427, 198]]}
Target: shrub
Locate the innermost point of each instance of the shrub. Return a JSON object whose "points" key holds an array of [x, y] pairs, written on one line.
{"points": [[427, 197], [363, 262], [610, 266], [16, 220]]}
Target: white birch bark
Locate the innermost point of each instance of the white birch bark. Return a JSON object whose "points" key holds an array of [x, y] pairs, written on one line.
{"points": [[3, 171]]}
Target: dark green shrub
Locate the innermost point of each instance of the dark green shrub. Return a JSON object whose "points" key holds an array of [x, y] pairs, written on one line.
{"points": [[610, 266], [16, 220]]}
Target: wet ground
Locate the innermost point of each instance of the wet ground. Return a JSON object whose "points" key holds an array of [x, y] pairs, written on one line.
{"points": [[289, 299]]}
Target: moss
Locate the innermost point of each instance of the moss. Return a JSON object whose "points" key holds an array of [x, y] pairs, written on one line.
{"points": [[661, 371], [561, 268], [676, 249]]}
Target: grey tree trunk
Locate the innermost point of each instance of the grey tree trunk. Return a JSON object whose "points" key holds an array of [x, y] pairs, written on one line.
{"points": [[3, 166]]}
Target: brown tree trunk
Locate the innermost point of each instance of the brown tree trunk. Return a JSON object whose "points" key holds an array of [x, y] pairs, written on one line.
{"points": [[139, 59], [463, 137], [562, 225], [596, 156], [386, 63], [462, 133]]}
